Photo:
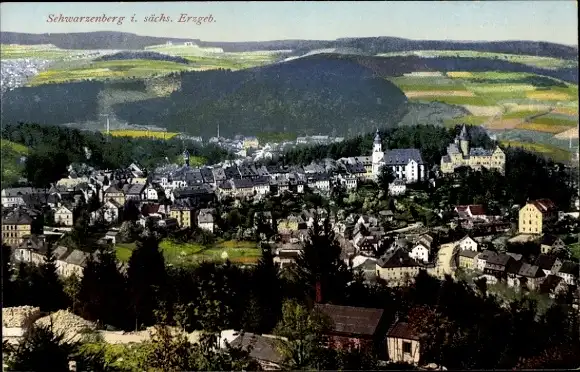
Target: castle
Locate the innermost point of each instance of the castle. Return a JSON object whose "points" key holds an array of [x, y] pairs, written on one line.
{"points": [[459, 154], [407, 164]]}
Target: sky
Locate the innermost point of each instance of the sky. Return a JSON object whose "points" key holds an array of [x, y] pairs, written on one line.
{"points": [[553, 21]]}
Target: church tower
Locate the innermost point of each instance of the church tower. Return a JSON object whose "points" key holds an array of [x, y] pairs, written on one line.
{"points": [[186, 157], [464, 141], [378, 155]]}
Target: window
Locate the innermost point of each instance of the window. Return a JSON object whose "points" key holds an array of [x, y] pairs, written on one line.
{"points": [[406, 347]]}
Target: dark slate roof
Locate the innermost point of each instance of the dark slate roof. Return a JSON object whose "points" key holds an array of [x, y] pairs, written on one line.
{"points": [[402, 330], [468, 253], [548, 239], [263, 348], [498, 259], [478, 151], [545, 262], [550, 283], [514, 267], [133, 189], [352, 320], [530, 271], [569, 267], [402, 156], [18, 216], [240, 183], [397, 258], [207, 175]]}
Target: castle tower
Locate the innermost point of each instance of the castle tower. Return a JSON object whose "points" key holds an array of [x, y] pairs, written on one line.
{"points": [[186, 157], [464, 141], [378, 155]]}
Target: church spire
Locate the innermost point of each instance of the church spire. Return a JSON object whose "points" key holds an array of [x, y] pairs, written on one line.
{"points": [[377, 136], [463, 135]]}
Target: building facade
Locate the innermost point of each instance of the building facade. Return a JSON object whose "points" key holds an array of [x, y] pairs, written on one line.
{"points": [[406, 164], [460, 154]]}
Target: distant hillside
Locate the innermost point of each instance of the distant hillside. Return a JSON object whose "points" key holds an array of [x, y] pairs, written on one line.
{"points": [[397, 66], [88, 40], [367, 45], [304, 96], [142, 55]]}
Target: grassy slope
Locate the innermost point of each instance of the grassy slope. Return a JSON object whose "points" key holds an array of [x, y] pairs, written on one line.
{"points": [[11, 167], [190, 253]]}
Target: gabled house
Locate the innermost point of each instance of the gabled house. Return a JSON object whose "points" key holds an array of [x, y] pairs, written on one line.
{"points": [[467, 259], [205, 219], [71, 262], [32, 250], [569, 272], [549, 264], [468, 244], [184, 214], [134, 191], [116, 194], [63, 216], [354, 327], [535, 214], [471, 212], [403, 344], [18, 224], [108, 213], [549, 242], [153, 192], [553, 285], [397, 268], [263, 348], [420, 252]]}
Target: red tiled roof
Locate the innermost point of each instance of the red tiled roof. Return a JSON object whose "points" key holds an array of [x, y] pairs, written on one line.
{"points": [[544, 205], [402, 330], [477, 210]]}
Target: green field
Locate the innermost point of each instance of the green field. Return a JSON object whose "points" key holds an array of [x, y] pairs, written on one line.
{"points": [[134, 68], [544, 62], [11, 167], [35, 51], [575, 249], [184, 254], [553, 152]]}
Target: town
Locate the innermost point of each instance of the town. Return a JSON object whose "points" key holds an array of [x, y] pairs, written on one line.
{"points": [[377, 209]]}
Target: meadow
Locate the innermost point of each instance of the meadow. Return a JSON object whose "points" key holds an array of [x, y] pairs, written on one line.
{"points": [[103, 70], [555, 153], [12, 167], [535, 61], [48, 52], [185, 254], [136, 133], [524, 102]]}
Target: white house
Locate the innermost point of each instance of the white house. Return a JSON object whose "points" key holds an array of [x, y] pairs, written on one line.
{"points": [[108, 213], [468, 244], [205, 219], [63, 216], [420, 253], [151, 192], [397, 187], [407, 164], [262, 186]]}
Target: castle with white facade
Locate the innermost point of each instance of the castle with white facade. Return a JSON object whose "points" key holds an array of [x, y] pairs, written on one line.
{"points": [[407, 164]]}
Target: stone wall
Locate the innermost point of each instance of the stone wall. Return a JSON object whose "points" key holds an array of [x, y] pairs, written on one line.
{"points": [[20, 317]]}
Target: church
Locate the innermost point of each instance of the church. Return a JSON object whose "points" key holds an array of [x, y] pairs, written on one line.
{"points": [[459, 154], [407, 164]]}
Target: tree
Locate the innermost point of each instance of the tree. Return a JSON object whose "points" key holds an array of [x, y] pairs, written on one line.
{"points": [[102, 296], [386, 177], [146, 277], [42, 349], [72, 287], [8, 285], [319, 266], [304, 332], [48, 287]]}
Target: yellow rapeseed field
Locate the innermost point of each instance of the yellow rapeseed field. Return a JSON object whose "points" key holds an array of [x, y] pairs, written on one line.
{"points": [[548, 96], [546, 128], [143, 133], [459, 74]]}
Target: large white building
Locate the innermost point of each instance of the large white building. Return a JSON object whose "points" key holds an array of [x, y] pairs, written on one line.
{"points": [[407, 164]]}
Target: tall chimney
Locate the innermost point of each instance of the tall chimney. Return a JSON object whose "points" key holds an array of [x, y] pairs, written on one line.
{"points": [[318, 292]]}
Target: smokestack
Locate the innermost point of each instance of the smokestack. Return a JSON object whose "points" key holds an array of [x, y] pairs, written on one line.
{"points": [[318, 292]]}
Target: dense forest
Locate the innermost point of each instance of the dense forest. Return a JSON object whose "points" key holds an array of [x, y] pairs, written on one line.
{"points": [[368, 45], [154, 56], [52, 148]]}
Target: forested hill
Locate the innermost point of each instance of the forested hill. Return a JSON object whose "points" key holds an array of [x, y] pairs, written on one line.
{"points": [[312, 96], [368, 45]]}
